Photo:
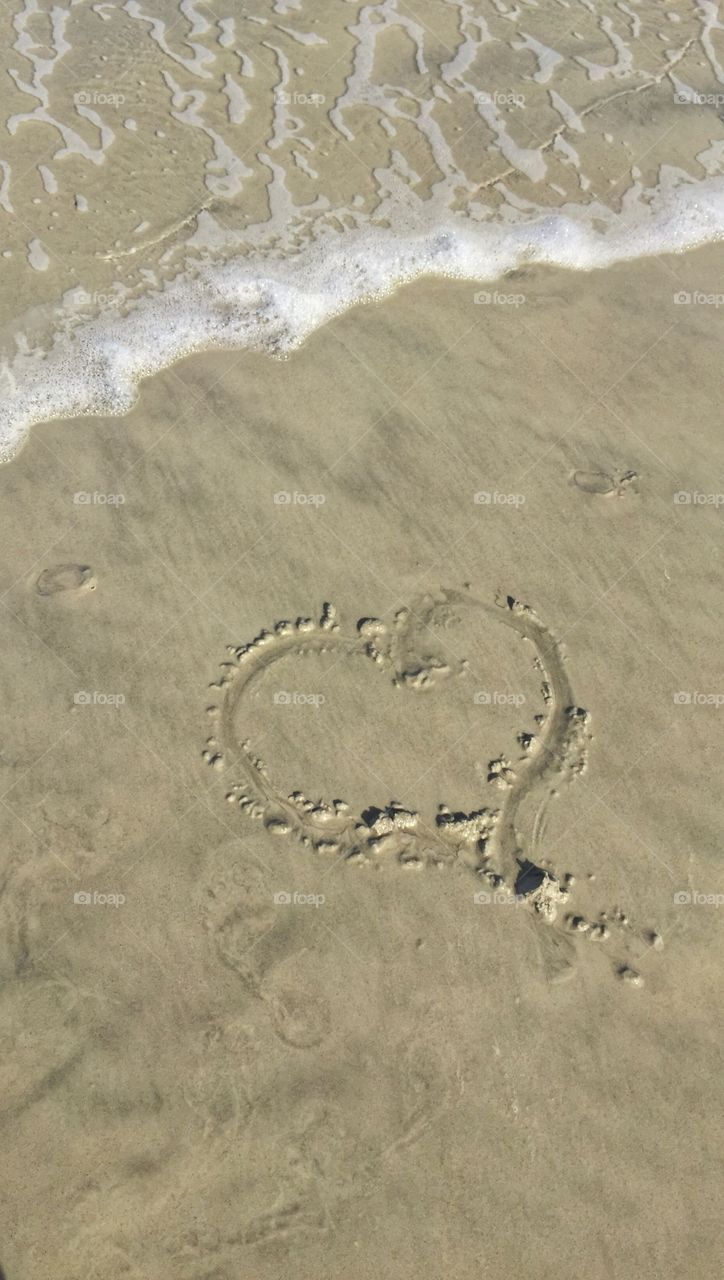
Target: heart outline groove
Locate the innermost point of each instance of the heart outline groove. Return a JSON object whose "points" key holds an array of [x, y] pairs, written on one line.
{"points": [[484, 841]]}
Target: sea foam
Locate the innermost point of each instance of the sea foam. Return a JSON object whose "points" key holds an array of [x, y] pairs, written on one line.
{"points": [[272, 304]]}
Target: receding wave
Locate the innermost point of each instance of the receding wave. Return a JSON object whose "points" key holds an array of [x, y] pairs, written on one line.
{"points": [[235, 181]]}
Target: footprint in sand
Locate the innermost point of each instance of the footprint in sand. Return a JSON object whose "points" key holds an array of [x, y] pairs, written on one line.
{"points": [[301, 1018], [42, 1039], [239, 914], [486, 841], [218, 1100], [65, 578], [428, 1072]]}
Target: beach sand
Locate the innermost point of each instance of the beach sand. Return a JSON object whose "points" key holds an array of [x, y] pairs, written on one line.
{"points": [[380, 1075]]}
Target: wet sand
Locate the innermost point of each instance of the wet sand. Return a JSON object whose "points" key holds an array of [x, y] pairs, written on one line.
{"points": [[382, 1074]]}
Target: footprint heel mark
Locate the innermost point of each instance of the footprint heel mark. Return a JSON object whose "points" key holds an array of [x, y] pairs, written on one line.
{"points": [[301, 1020], [486, 840]]}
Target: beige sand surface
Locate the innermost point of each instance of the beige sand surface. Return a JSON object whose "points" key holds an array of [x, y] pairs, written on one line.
{"points": [[206, 1084]]}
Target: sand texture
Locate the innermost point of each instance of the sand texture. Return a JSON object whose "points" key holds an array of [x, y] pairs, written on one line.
{"points": [[360, 802]]}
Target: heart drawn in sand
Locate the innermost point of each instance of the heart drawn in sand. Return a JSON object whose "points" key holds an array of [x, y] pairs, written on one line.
{"points": [[484, 841], [376, 834]]}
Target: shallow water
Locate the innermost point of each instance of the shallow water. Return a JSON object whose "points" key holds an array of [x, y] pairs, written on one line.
{"points": [[175, 179]]}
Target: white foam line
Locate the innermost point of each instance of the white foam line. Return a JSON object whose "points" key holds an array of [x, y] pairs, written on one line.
{"points": [[274, 304]]}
